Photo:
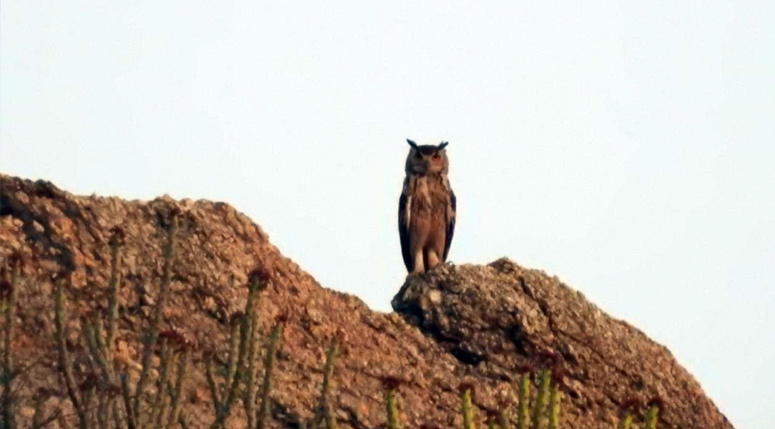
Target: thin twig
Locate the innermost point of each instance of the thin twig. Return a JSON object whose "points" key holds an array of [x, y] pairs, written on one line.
{"points": [[39, 422], [91, 334], [113, 285], [9, 417], [159, 404], [126, 395], [325, 410], [64, 358], [252, 373], [233, 388], [177, 391], [152, 334], [274, 340], [212, 384]]}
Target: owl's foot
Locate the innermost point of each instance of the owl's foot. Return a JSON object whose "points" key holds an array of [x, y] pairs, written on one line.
{"points": [[417, 272], [419, 263], [433, 259]]}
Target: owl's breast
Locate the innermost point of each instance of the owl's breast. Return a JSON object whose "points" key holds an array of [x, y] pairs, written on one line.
{"points": [[429, 196]]}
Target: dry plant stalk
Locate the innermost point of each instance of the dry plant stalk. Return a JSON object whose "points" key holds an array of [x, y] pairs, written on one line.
{"points": [[503, 419], [542, 398], [152, 335], [252, 371], [126, 396], [177, 390], [240, 350], [65, 363], [114, 284], [555, 399], [523, 412], [467, 406], [159, 405], [11, 291], [100, 343], [325, 411], [274, 341]]}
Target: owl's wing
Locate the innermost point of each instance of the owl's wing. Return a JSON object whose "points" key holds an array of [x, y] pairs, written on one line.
{"points": [[404, 205], [451, 215]]}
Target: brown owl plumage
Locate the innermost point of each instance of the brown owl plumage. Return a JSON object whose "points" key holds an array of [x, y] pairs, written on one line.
{"points": [[426, 209]]}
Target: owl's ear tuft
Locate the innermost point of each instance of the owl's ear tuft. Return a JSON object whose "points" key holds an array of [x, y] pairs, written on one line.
{"points": [[443, 145], [411, 143]]}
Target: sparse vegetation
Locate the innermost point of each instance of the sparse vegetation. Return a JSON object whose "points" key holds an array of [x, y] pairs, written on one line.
{"points": [[523, 414], [324, 416], [102, 396], [9, 292], [503, 418], [467, 406], [266, 387], [539, 407], [391, 385], [242, 359], [115, 400], [555, 397], [492, 420], [652, 413]]}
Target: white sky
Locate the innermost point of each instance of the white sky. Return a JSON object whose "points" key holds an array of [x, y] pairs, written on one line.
{"points": [[627, 147]]}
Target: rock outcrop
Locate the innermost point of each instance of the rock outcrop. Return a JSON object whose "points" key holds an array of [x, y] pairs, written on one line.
{"points": [[467, 323]]}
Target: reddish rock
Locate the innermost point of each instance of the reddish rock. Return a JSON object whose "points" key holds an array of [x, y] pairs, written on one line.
{"points": [[481, 325]]}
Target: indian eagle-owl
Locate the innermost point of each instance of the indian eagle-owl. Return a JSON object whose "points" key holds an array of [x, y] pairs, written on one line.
{"points": [[426, 209]]}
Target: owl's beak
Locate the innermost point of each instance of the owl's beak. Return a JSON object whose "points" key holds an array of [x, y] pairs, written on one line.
{"points": [[421, 168]]}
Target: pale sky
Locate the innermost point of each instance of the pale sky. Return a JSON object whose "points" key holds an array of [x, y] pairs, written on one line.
{"points": [[626, 147]]}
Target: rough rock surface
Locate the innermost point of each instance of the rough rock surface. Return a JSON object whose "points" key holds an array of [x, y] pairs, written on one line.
{"points": [[477, 324]]}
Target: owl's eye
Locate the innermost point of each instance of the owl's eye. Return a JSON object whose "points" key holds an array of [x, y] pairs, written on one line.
{"points": [[436, 156], [418, 155]]}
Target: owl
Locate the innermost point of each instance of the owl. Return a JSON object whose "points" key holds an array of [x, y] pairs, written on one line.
{"points": [[426, 209]]}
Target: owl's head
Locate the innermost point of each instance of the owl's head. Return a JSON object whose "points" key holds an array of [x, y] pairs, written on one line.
{"points": [[427, 159]]}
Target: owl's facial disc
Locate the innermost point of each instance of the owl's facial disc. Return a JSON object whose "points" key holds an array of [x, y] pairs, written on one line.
{"points": [[421, 165], [426, 159], [435, 163]]}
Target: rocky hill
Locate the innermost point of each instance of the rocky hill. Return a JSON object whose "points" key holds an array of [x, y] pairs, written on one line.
{"points": [[465, 323]]}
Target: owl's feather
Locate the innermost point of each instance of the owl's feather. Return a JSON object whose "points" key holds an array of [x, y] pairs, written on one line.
{"points": [[451, 215], [404, 216]]}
